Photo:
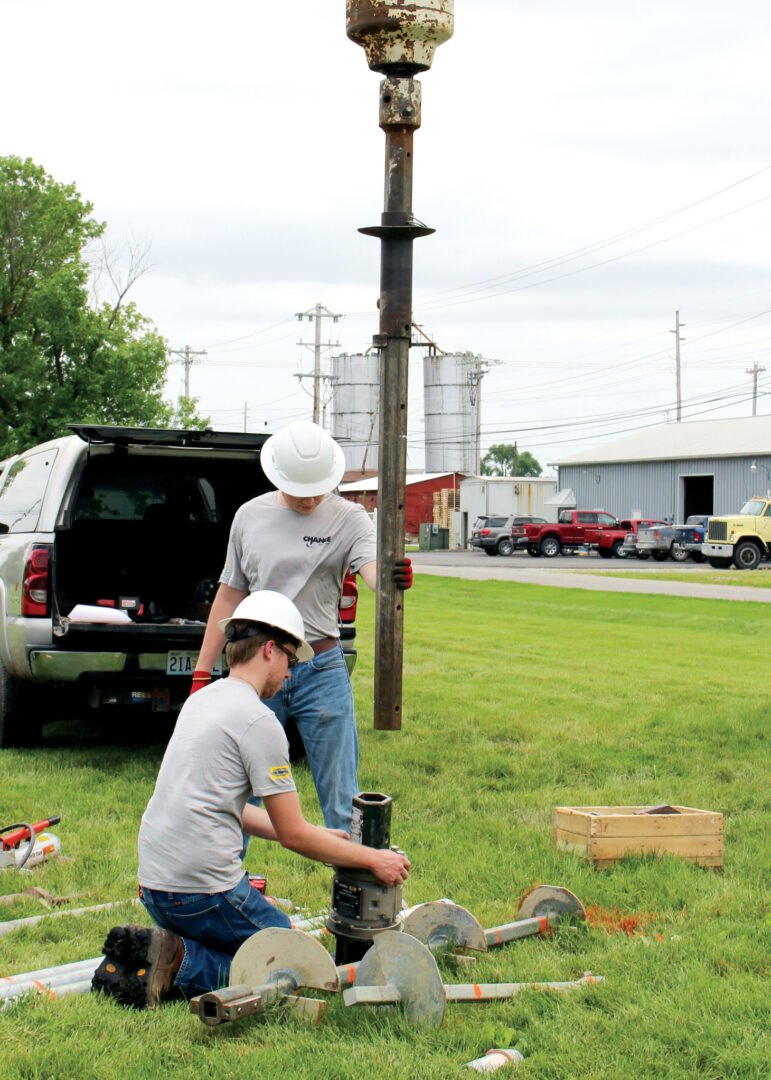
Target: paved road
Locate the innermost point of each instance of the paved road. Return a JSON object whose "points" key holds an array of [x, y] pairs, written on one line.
{"points": [[584, 572]]}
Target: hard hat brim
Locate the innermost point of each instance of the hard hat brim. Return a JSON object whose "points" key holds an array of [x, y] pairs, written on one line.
{"points": [[304, 650], [276, 611]]}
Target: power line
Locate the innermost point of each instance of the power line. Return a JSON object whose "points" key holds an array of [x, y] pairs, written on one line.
{"points": [[486, 295]]}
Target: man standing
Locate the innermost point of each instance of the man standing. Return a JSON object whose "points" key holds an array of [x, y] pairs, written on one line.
{"points": [[226, 746], [299, 540]]}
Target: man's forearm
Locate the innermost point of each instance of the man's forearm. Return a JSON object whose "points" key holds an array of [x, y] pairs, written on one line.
{"points": [[368, 574], [224, 604], [323, 845], [255, 822]]}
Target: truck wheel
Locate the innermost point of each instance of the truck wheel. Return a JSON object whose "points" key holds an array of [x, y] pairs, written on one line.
{"points": [[697, 556], [534, 550], [505, 547], [746, 555], [550, 546], [21, 723], [604, 553], [718, 562], [618, 550], [490, 551], [643, 555], [679, 554], [660, 556], [568, 551]]}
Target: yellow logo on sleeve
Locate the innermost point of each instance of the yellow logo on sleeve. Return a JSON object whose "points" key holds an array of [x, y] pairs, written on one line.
{"points": [[278, 773]]}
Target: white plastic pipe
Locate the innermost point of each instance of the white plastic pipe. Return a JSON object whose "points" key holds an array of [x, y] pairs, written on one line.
{"points": [[51, 981], [16, 924], [41, 973], [76, 986]]}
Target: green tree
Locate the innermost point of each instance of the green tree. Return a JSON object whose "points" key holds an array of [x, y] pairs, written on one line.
{"points": [[504, 459], [62, 358]]}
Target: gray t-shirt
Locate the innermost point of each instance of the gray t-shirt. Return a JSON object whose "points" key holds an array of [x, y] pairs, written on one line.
{"points": [[226, 746], [303, 556]]}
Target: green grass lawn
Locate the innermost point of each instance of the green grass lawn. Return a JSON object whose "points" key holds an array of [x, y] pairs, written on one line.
{"points": [[517, 699]]}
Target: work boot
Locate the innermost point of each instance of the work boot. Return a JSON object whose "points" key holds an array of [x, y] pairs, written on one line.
{"points": [[157, 956], [110, 976], [139, 966]]}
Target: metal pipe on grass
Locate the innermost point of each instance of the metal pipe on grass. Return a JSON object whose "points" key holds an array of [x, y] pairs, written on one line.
{"points": [[16, 924], [75, 986]]}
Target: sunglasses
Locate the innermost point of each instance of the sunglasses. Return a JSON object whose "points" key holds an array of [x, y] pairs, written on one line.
{"points": [[291, 657]]}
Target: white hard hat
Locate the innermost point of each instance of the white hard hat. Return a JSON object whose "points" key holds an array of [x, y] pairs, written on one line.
{"points": [[276, 610], [303, 460]]}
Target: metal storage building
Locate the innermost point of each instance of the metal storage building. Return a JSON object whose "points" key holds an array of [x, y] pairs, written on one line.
{"points": [[671, 471]]}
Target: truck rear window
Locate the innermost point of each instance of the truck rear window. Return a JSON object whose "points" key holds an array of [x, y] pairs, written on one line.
{"points": [[146, 498]]}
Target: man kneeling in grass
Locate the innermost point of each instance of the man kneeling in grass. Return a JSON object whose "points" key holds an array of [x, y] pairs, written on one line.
{"points": [[227, 745]]}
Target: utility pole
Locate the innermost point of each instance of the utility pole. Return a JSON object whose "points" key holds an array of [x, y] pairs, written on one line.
{"points": [[187, 356], [678, 392], [754, 371], [318, 313], [399, 38]]}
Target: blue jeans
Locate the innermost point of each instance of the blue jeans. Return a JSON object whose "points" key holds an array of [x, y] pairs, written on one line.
{"points": [[212, 927], [319, 698]]}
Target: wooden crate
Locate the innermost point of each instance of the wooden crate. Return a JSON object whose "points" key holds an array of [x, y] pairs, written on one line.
{"points": [[604, 834]]}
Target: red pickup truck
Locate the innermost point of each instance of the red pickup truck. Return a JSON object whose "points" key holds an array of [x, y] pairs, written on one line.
{"points": [[595, 530]]}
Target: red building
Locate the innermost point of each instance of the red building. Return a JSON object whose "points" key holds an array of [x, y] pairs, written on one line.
{"points": [[424, 501]]}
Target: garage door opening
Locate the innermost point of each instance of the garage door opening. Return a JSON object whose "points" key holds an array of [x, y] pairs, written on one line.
{"points": [[698, 495]]}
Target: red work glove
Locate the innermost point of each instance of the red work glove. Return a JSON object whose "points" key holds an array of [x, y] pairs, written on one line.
{"points": [[403, 573], [201, 678]]}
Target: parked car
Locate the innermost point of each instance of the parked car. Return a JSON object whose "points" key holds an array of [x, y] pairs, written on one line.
{"points": [[493, 534], [112, 541], [631, 547], [678, 542]]}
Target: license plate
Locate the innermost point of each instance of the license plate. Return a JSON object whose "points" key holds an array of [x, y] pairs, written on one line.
{"points": [[181, 662]]}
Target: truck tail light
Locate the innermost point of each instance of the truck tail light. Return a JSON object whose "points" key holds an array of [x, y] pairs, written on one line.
{"points": [[349, 598], [36, 582], [484, 532]]}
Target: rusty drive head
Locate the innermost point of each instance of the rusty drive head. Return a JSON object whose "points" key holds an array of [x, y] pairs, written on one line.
{"points": [[399, 38]]}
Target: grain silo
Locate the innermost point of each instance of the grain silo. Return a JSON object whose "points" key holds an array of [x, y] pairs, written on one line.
{"points": [[451, 402], [355, 408]]}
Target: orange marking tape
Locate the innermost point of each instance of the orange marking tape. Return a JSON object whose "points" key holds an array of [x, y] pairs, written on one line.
{"points": [[477, 991], [351, 972], [591, 979], [544, 925], [497, 937]]}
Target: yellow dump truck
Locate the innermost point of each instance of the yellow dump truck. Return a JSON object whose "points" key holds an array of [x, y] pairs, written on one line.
{"points": [[743, 539]]}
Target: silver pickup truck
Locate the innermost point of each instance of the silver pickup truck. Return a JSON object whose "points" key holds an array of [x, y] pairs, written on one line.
{"points": [[112, 541], [677, 542]]}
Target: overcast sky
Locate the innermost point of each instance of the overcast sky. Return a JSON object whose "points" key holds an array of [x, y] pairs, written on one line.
{"points": [[590, 168]]}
